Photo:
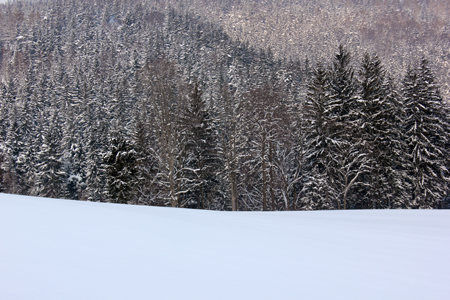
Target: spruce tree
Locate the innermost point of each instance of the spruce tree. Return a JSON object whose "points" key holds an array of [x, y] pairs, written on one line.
{"points": [[145, 187], [318, 192], [49, 175], [381, 123], [427, 133], [120, 167], [350, 162], [200, 152]]}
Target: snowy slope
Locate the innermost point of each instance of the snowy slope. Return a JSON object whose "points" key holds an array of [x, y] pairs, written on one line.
{"points": [[64, 250]]}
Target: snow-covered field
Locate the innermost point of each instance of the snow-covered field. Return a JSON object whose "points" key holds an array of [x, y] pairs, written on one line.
{"points": [[73, 250]]}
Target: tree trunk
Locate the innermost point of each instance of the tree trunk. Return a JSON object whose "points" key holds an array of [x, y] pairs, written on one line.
{"points": [[202, 179], [172, 192], [231, 165], [272, 193], [264, 173]]}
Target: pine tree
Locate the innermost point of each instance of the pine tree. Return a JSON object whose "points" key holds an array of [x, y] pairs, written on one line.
{"points": [[96, 143], [200, 152], [120, 166], [318, 192], [145, 187], [427, 133], [72, 144], [350, 162], [4, 120], [49, 174], [381, 132], [21, 142]]}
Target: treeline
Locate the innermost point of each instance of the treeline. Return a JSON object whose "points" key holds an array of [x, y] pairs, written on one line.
{"points": [[132, 102]]}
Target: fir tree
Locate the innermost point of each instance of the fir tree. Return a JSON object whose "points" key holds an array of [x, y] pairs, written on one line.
{"points": [[120, 166], [49, 176], [350, 161], [200, 151], [427, 133], [318, 191], [381, 132], [145, 188]]}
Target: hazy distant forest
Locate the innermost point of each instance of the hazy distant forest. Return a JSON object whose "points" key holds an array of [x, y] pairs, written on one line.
{"points": [[227, 105]]}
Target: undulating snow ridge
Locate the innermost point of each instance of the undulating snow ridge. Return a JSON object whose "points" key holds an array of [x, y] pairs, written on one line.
{"points": [[62, 249]]}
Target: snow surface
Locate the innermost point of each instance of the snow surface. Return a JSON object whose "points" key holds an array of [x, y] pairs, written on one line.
{"points": [[64, 250]]}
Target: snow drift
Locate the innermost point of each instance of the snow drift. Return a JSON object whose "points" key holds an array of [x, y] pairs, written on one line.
{"points": [[62, 249]]}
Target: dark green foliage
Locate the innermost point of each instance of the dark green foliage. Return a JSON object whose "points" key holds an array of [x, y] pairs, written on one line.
{"points": [[381, 131], [49, 174], [201, 154], [349, 161], [426, 129], [318, 191], [120, 166]]}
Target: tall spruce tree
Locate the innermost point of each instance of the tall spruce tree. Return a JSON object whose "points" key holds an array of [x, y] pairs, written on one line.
{"points": [[120, 166], [381, 113], [318, 192], [145, 188], [49, 175], [200, 152], [427, 133], [350, 161]]}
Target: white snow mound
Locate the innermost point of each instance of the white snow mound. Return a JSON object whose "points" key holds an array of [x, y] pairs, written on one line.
{"points": [[60, 249]]}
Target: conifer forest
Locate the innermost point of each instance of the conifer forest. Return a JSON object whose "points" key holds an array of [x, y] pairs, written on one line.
{"points": [[227, 105]]}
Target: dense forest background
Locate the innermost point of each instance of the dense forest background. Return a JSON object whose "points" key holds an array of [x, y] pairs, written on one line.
{"points": [[229, 105], [399, 31]]}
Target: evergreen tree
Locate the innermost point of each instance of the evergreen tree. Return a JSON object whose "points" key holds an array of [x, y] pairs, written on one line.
{"points": [[318, 192], [73, 128], [350, 161], [120, 166], [96, 147], [49, 176], [20, 149], [145, 188], [427, 133], [381, 132], [200, 151]]}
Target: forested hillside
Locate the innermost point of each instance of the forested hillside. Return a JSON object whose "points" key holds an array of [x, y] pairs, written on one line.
{"points": [[399, 31], [146, 103]]}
